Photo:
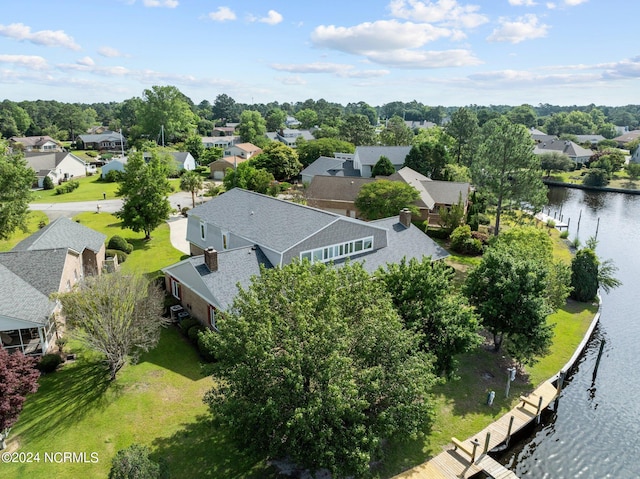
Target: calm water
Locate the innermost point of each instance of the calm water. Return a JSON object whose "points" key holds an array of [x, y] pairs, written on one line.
{"points": [[596, 431]]}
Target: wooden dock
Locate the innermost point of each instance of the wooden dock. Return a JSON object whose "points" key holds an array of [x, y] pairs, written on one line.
{"points": [[560, 225], [456, 462]]}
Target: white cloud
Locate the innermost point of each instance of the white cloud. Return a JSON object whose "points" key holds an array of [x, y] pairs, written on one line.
{"points": [[525, 3], [337, 69], [551, 6], [222, 14], [32, 62], [160, 3], [573, 3], [523, 28], [418, 59], [86, 61], [446, 12], [110, 52], [293, 80], [272, 18], [50, 38], [380, 35]]}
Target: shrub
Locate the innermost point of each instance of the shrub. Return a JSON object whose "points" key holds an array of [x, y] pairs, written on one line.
{"points": [[564, 234], [551, 223], [67, 187], [202, 169], [134, 462], [193, 332], [61, 343], [284, 186], [187, 324], [483, 219], [121, 255], [91, 153], [113, 176], [465, 242], [49, 363], [437, 233], [213, 190], [42, 224], [47, 183], [184, 211], [206, 337], [119, 243]]}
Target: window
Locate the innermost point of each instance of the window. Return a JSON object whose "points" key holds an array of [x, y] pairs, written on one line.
{"points": [[212, 317], [225, 240], [203, 229], [176, 290], [338, 251]]}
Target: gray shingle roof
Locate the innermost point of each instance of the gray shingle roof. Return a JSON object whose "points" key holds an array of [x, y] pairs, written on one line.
{"points": [[47, 161], [63, 233], [106, 136], [24, 288], [369, 155], [330, 166], [569, 148], [270, 222], [448, 192]]}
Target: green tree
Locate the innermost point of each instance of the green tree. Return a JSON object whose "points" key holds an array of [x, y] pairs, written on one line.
{"points": [[144, 190], [424, 296], [589, 273], [596, 177], [555, 161], [164, 110], [247, 177], [633, 170], [357, 129], [506, 167], [191, 181], [308, 118], [464, 129], [452, 217], [310, 151], [524, 115], [134, 462], [508, 290], [193, 144], [396, 133], [385, 198], [209, 155], [117, 315], [278, 159], [459, 173], [252, 128], [429, 158], [16, 179], [275, 119], [383, 167], [224, 108], [314, 361]]}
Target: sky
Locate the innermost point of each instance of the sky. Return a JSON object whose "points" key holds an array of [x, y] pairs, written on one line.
{"points": [[440, 52]]}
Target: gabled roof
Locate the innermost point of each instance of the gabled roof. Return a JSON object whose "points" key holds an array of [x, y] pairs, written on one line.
{"points": [[569, 148], [335, 188], [270, 222], [219, 288], [105, 136], [628, 136], [24, 289], [369, 155], [419, 182], [325, 165], [448, 192], [180, 156], [63, 233], [39, 161], [31, 141], [248, 147]]}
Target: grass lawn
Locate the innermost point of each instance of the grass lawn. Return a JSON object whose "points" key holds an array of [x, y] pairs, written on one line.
{"points": [[620, 179], [157, 402], [33, 220], [147, 257]]}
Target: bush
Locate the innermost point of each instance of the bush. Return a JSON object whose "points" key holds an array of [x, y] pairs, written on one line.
{"points": [[213, 190], [193, 332], [67, 187], [134, 462], [91, 153], [119, 243], [49, 363], [47, 183], [483, 219], [187, 324], [121, 255], [464, 242], [184, 211], [438, 233], [202, 169], [564, 234], [206, 337], [113, 176]]}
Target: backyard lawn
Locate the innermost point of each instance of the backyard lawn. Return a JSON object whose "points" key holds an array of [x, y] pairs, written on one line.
{"points": [[157, 402]]}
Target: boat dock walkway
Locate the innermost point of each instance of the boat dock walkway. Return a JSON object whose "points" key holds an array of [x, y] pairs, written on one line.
{"points": [[464, 459], [546, 218]]}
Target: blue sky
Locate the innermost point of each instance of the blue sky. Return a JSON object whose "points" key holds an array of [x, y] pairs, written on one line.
{"points": [[441, 52]]}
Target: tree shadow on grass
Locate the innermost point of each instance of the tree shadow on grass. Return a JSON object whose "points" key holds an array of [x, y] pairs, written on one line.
{"points": [[67, 396], [200, 450]]}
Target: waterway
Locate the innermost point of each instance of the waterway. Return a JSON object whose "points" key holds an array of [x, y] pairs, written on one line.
{"points": [[595, 432]]}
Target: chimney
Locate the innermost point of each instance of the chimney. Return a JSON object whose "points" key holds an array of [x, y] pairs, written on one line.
{"points": [[405, 217], [211, 259]]}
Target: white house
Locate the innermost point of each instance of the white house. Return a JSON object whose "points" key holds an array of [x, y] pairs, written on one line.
{"points": [[59, 166], [43, 144]]}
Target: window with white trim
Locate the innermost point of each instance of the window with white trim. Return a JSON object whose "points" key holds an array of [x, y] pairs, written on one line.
{"points": [[336, 251], [175, 289], [212, 317]]}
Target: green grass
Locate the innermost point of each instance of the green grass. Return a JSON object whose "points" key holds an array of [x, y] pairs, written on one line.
{"points": [[157, 402], [147, 257], [33, 220], [90, 189]]}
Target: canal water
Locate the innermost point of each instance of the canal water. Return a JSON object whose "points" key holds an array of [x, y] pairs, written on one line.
{"points": [[595, 432]]}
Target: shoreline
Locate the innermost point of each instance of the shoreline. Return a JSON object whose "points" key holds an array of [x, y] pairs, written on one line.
{"points": [[579, 186]]}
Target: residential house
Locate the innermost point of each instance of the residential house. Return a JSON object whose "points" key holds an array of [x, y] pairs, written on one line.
{"points": [[291, 122], [540, 136], [338, 194], [365, 157], [635, 158], [223, 142], [105, 141], [341, 165], [59, 166], [52, 260], [233, 156], [43, 144], [593, 140], [289, 136], [423, 125], [223, 131], [578, 154], [115, 164], [183, 160], [234, 234], [627, 137]]}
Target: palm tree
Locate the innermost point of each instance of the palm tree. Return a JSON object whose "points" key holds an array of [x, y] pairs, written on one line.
{"points": [[191, 181]]}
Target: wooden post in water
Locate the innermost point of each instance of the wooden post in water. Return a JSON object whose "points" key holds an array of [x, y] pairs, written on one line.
{"points": [[595, 370], [559, 385], [509, 430], [579, 218], [539, 411], [597, 227]]}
